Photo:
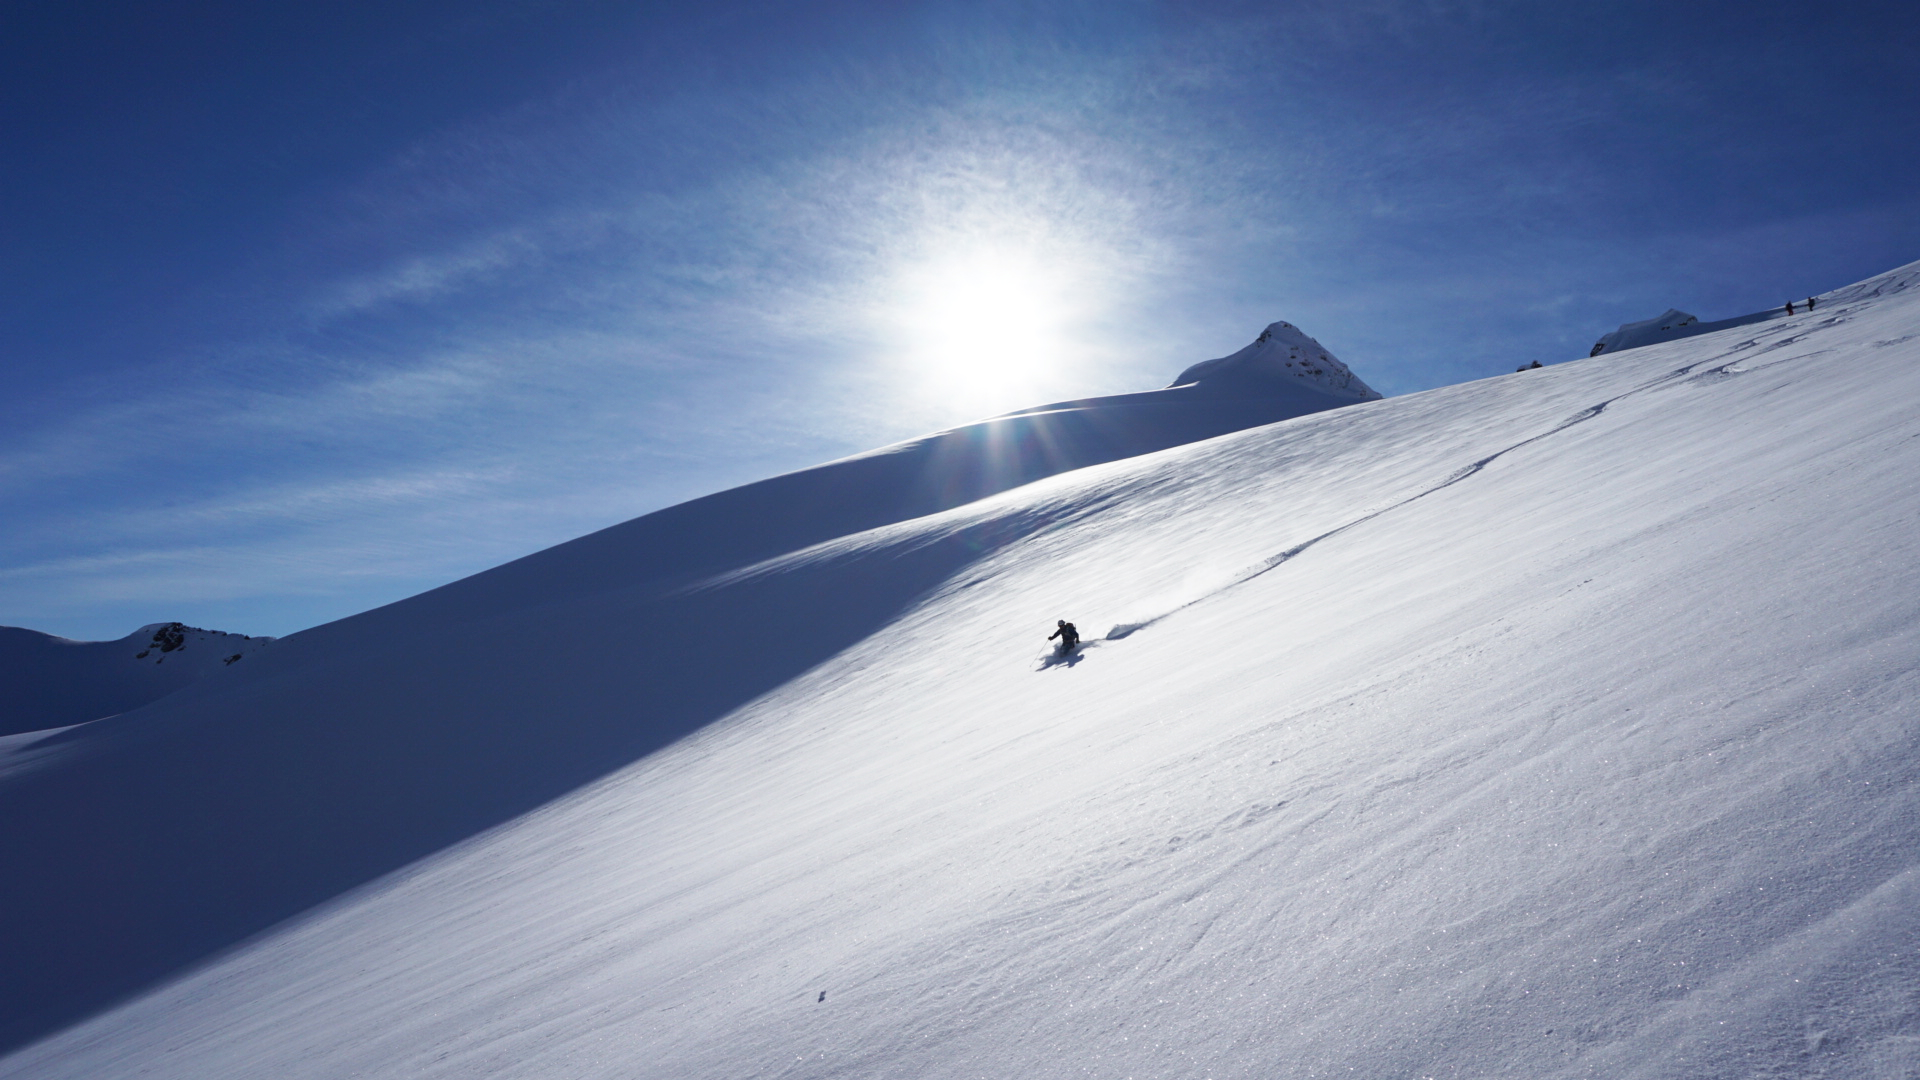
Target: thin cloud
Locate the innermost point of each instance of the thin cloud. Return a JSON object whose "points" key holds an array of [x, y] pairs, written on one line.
{"points": [[426, 277]]}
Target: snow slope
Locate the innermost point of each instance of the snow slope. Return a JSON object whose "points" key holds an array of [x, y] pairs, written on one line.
{"points": [[52, 681], [753, 522], [188, 850], [1560, 724]]}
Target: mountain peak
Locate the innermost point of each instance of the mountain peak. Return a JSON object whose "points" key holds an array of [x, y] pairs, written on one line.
{"points": [[1669, 324], [1282, 351]]}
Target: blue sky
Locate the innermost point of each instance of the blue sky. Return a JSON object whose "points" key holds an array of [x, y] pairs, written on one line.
{"points": [[310, 307]]}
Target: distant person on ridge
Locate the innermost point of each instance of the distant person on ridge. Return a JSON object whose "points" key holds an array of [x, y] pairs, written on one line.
{"points": [[1789, 307], [1810, 301], [1069, 637]]}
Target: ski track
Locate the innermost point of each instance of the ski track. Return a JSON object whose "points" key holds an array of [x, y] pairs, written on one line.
{"points": [[1715, 365]]}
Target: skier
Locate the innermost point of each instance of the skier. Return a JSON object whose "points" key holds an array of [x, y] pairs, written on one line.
{"points": [[1069, 637], [1810, 301], [1789, 307]]}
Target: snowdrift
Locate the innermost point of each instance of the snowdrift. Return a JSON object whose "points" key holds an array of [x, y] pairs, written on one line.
{"points": [[1559, 724], [52, 681]]}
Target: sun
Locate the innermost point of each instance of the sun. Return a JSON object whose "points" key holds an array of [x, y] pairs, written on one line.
{"points": [[987, 324]]}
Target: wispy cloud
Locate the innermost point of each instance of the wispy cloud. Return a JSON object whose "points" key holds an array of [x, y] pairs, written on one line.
{"points": [[426, 277]]}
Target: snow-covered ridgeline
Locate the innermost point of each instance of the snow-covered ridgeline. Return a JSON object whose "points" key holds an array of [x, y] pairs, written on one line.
{"points": [[52, 681], [1673, 324], [1552, 725]]}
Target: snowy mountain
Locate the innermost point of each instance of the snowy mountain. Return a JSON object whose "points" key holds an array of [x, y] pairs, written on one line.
{"points": [[51, 681], [1554, 725], [1283, 353], [1669, 325]]}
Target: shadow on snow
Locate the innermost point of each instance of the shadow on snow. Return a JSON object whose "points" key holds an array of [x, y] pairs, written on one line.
{"points": [[149, 842]]}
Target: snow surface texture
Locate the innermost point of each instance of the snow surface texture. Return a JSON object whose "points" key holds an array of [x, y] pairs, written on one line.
{"points": [[52, 681], [1282, 353], [1560, 724]]}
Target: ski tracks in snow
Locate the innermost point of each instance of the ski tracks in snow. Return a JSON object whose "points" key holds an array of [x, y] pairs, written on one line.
{"points": [[1725, 364]]}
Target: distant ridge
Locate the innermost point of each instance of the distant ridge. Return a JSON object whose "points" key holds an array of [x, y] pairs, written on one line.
{"points": [[51, 681], [1674, 324]]}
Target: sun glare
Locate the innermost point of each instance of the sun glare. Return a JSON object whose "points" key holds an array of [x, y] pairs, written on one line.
{"points": [[988, 325]]}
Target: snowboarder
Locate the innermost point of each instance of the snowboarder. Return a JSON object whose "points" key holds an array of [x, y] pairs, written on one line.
{"points": [[1069, 637]]}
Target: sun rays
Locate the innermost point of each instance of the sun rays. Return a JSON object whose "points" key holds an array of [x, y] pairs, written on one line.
{"points": [[987, 324]]}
